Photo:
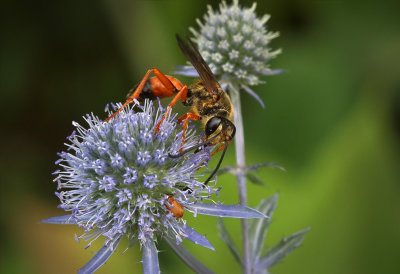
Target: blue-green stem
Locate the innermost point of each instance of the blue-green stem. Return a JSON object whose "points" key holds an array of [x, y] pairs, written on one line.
{"points": [[241, 176]]}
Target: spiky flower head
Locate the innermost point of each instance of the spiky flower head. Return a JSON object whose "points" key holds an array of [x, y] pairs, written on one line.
{"points": [[235, 44], [117, 180]]}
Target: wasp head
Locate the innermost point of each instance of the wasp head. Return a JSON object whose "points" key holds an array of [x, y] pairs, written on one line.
{"points": [[222, 127]]}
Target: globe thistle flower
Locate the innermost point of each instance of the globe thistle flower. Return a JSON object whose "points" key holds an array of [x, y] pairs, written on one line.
{"points": [[235, 44], [118, 181]]}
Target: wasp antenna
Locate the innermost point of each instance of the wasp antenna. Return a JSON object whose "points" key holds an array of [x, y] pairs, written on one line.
{"points": [[192, 147], [218, 165]]}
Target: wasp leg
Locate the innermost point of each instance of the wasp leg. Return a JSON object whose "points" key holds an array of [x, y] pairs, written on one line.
{"points": [[163, 79], [218, 149], [185, 118], [180, 95]]}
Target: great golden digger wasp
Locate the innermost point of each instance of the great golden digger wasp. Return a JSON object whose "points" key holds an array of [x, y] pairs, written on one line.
{"points": [[208, 102]]}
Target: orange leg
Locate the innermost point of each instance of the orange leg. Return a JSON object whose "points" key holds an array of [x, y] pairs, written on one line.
{"points": [[185, 118], [163, 79], [221, 147], [180, 95]]}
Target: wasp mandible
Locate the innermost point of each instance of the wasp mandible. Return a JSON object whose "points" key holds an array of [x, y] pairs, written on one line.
{"points": [[208, 102]]}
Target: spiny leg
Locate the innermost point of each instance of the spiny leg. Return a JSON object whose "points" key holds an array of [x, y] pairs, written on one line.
{"points": [[221, 147], [180, 95], [185, 118], [163, 79]]}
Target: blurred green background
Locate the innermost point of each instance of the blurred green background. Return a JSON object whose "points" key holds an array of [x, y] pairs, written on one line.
{"points": [[332, 120]]}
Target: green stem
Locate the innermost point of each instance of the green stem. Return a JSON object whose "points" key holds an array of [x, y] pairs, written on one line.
{"points": [[241, 176]]}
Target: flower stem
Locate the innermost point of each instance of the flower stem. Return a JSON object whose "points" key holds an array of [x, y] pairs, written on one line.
{"points": [[241, 176]]}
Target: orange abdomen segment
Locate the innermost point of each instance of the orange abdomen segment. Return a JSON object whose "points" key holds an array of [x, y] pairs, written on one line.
{"points": [[176, 209], [160, 91]]}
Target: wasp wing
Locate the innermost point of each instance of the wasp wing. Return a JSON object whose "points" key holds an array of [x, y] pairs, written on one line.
{"points": [[193, 55]]}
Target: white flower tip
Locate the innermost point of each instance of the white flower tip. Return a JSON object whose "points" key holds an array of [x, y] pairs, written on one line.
{"points": [[233, 32]]}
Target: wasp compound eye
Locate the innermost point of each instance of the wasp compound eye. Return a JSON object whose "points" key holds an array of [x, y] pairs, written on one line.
{"points": [[212, 125]]}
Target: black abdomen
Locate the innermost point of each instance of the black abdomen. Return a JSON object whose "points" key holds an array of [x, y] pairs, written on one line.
{"points": [[146, 92]]}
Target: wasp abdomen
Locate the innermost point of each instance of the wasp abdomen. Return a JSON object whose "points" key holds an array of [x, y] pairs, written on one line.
{"points": [[147, 92], [154, 88]]}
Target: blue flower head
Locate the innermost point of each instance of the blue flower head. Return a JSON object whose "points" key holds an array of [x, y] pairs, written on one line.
{"points": [[235, 43], [118, 181]]}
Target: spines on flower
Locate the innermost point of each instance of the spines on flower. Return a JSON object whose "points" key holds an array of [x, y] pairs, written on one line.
{"points": [[234, 32], [117, 175], [234, 42], [115, 180]]}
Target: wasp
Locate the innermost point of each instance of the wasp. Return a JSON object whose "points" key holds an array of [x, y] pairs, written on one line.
{"points": [[208, 103]]}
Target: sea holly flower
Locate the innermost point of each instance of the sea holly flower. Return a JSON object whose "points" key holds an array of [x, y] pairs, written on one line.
{"points": [[235, 44], [117, 181]]}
